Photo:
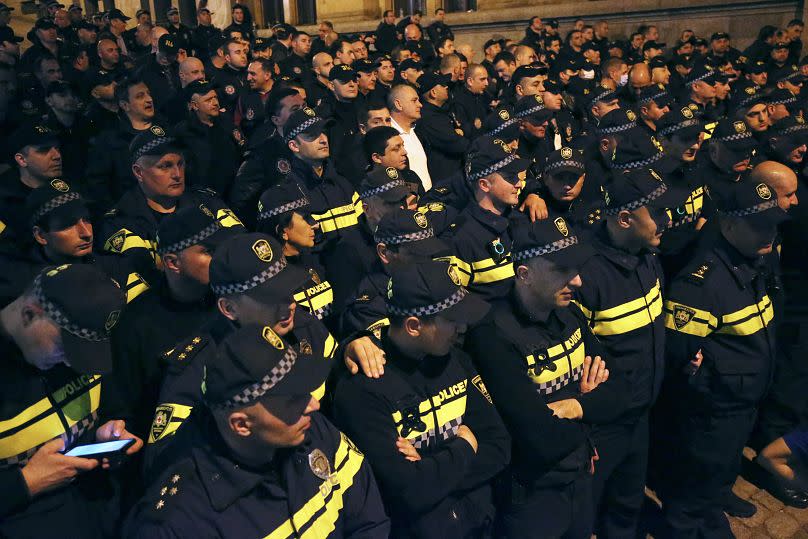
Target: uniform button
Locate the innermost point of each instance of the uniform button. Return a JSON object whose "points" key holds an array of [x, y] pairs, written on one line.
{"points": [[215, 477]]}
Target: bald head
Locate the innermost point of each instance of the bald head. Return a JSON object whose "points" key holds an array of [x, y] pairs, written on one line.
{"points": [[640, 75], [779, 178], [524, 55], [412, 33], [191, 69], [156, 32]]}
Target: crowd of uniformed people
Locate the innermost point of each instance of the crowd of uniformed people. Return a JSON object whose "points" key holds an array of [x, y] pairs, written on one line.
{"points": [[385, 285]]}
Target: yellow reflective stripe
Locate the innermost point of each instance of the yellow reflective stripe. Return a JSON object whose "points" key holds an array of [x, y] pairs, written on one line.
{"points": [[319, 393], [337, 218], [330, 347], [708, 130], [135, 286], [488, 271], [179, 414], [25, 416], [317, 297], [463, 269], [749, 320], [449, 404], [130, 241], [628, 316], [571, 351], [358, 207], [82, 406], [34, 435], [695, 201], [2, 227], [686, 319], [348, 462], [227, 218]]}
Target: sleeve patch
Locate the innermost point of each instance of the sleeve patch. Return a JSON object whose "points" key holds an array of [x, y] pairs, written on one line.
{"points": [[480, 385]]}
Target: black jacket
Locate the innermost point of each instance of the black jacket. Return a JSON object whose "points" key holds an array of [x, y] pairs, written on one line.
{"points": [[444, 141], [214, 152]]}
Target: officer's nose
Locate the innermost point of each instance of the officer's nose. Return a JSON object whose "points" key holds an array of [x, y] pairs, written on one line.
{"points": [[85, 228], [313, 406], [575, 282]]}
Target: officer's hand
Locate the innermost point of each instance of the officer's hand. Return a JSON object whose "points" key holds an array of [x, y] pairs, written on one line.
{"points": [[364, 353], [567, 409], [464, 432], [695, 364], [116, 430], [407, 449], [49, 469], [535, 208], [182, 55], [594, 373]]}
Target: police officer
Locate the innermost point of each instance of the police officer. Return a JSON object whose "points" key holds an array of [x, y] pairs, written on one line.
{"points": [[250, 111], [179, 30], [433, 438], [533, 120], [569, 190], [258, 454], [343, 133], [130, 227], [621, 298], [720, 353], [267, 161], [202, 34], [700, 87], [161, 72], [232, 78], [177, 304], [403, 236], [445, 142], [542, 365], [470, 102], [481, 237], [55, 351]]}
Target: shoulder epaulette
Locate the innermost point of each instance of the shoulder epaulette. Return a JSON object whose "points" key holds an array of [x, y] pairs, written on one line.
{"points": [[699, 274], [186, 350]]}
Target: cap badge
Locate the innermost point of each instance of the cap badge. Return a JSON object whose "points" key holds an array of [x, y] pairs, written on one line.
{"points": [[308, 111], [305, 347], [561, 225], [420, 219], [501, 143], [204, 209], [112, 319], [392, 173], [60, 185], [262, 250], [655, 174], [566, 152], [504, 115], [739, 126], [157, 131], [453, 275], [169, 43], [539, 99], [630, 115], [42, 130], [750, 90], [272, 338], [799, 119], [687, 113], [763, 191]]}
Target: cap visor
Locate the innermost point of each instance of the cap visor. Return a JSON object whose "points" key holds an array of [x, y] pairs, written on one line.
{"points": [[281, 287], [290, 397], [470, 310], [674, 196], [396, 194], [429, 247], [511, 170], [318, 127], [768, 218], [574, 256], [221, 236], [87, 357]]}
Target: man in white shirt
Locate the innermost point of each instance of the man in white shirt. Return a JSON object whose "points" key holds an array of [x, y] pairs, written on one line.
{"points": [[405, 110]]}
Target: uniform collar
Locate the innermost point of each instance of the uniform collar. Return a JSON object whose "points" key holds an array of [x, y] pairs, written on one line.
{"points": [[428, 365], [619, 257], [497, 223], [743, 269]]}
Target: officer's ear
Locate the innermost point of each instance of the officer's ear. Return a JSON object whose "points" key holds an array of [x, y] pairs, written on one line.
{"points": [[363, 129], [522, 272], [228, 308], [484, 185], [240, 423], [376, 158], [383, 252], [625, 219], [137, 170], [413, 326], [519, 90], [19, 158], [294, 146], [39, 235], [171, 262], [644, 110]]}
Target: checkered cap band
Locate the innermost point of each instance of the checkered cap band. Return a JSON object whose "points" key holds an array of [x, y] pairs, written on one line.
{"points": [[405, 238], [55, 314], [532, 110], [616, 128], [197, 238], [631, 165], [546, 249], [631, 206], [790, 76], [54, 203], [427, 310], [506, 124], [787, 101], [733, 137], [793, 129], [565, 163], [759, 208], [302, 127], [239, 288], [671, 129], [272, 212], [382, 188], [493, 168], [702, 77], [151, 146], [655, 96], [253, 392], [601, 95]]}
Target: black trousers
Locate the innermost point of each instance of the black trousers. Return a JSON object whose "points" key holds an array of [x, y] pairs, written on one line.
{"points": [[619, 482], [701, 468], [551, 513]]}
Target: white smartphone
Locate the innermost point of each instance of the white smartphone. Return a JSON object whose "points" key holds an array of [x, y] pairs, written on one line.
{"points": [[100, 450]]}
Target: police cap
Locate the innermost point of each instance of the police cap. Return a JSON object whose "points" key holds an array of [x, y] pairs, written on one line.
{"points": [[304, 122], [432, 288], [488, 155], [780, 96], [32, 134], [755, 67], [169, 44], [702, 72], [788, 134], [788, 72], [411, 228], [680, 122], [657, 93], [753, 202], [648, 45], [153, 141], [363, 65], [734, 136], [565, 159], [552, 238], [553, 86], [657, 62], [386, 183], [117, 14], [7, 34], [502, 123], [598, 94], [640, 187], [44, 23], [280, 200], [86, 304], [5, 7], [253, 364], [55, 203], [639, 150], [342, 73], [532, 109], [617, 121], [197, 87], [194, 225], [254, 264], [429, 80], [409, 63]]}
